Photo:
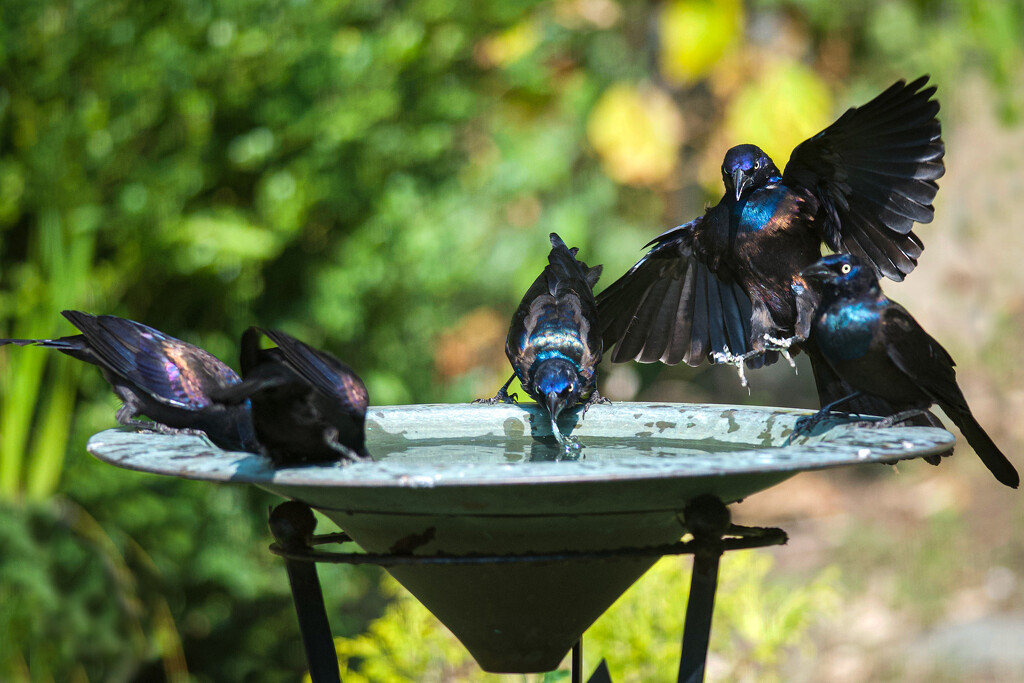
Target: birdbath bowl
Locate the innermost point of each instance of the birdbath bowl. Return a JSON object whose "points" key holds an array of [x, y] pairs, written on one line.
{"points": [[478, 479]]}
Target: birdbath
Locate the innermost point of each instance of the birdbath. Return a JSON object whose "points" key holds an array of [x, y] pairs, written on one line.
{"points": [[477, 480]]}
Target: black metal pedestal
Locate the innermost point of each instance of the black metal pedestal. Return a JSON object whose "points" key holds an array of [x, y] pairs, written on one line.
{"points": [[292, 525], [707, 519]]}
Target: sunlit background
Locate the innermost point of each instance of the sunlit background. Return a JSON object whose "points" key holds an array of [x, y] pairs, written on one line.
{"points": [[379, 179]]}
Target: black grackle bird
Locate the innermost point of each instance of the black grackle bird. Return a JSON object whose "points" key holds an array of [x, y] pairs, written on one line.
{"points": [[878, 349], [553, 343], [307, 405], [719, 285], [156, 375]]}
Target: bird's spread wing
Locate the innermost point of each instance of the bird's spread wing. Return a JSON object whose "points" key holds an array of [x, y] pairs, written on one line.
{"points": [[923, 359], [873, 173], [671, 307], [326, 373]]}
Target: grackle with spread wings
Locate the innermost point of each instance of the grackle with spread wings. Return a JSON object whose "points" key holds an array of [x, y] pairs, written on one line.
{"points": [[720, 285]]}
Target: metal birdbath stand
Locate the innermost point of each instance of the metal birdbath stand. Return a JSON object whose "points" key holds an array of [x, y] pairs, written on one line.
{"points": [[292, 524], [516, 548]]}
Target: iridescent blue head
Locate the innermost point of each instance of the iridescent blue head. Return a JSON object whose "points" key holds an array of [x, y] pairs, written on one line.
{"points": [[746, 168], [557, 385], [842, 273]]}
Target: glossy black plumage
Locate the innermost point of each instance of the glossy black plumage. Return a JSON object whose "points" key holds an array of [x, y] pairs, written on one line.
{"points": [[877, 348], [307, 405], [156, 375], [720, 283], [553, 343]]}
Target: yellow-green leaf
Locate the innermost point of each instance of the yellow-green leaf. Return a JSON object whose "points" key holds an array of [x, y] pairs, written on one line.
{"points": [[784, 106], [637, 131], [695, 34]]}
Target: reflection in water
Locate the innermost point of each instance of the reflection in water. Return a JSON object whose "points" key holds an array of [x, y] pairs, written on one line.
{"points": [[481, 451]]}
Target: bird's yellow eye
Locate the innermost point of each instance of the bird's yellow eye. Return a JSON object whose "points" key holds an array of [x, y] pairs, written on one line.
{"points": [[846, 268]]}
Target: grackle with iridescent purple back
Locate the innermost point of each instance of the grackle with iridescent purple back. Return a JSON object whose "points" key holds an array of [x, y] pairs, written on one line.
{"points": [[156, 375]]}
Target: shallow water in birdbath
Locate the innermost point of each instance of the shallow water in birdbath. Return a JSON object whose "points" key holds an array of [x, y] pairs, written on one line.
{"points": [[459, 479], [592, 449]]}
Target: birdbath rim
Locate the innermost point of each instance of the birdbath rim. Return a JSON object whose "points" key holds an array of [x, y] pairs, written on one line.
{"points": [[753, 436]]}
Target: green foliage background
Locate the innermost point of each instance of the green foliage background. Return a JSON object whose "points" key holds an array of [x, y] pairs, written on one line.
{"points": [[379, 179]]}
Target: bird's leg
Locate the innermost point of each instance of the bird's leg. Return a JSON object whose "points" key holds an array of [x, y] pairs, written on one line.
{"points": [[891, 420], [809, 422], [126, 416], [502, 396], [727, 357], [782, 346], [160, 428], [333, 442], [595, 397]]}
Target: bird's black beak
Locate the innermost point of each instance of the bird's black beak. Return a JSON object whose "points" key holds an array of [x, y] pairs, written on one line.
{"points": [[740, 181], [817, 272], [555, 403]]}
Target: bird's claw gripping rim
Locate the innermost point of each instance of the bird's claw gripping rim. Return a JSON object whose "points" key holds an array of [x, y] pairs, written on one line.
{"points": [[806, 424], [501, 397], [595, 397]]}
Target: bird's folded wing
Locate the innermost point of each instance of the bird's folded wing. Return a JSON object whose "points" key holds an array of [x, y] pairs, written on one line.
{"points": [[170, 370], [114, 341], [831, 387], [324, 372], [920, 357], [873, 173], [671, 307]]}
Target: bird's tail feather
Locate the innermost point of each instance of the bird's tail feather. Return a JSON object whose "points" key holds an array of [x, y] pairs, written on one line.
{"points": [[563, 266], [49, 343], [997, 463], [74, 346]]}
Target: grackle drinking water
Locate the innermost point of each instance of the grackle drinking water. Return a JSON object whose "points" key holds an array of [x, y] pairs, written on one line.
{"points": [[308, 407], [879, 350], [156, 375], [720, 285], [553, 343]]}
